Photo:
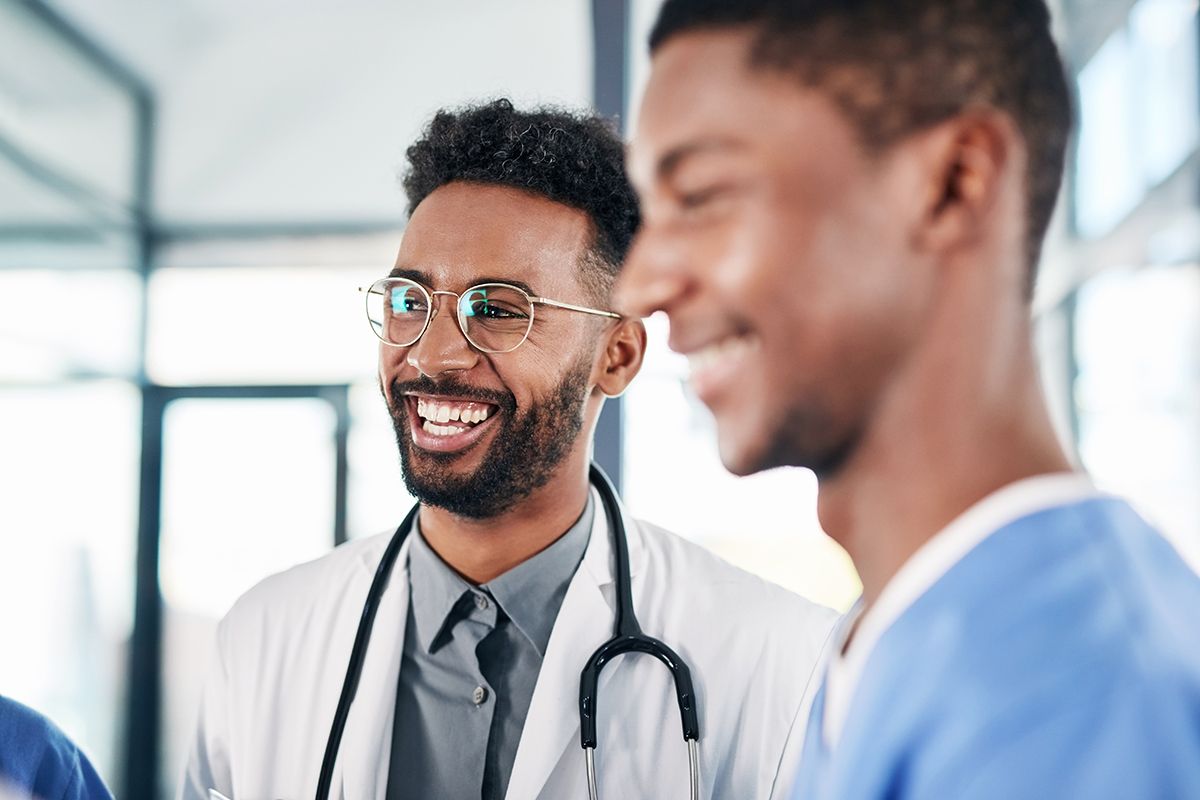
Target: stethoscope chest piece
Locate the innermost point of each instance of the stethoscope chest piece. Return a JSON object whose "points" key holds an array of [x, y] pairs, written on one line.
{"points": [[629, 638]]}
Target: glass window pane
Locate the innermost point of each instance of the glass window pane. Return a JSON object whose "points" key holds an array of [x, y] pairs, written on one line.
{"points": [[1164, 35], [1138, 392], [1108, 183], [378, 499], [247, 491], [58, 324], [1052, 337], [765, 523], [260, 325], [642, 15], [68, 526]]}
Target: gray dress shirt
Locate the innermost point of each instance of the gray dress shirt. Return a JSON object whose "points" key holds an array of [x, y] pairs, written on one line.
{"points": [[471, 659]]}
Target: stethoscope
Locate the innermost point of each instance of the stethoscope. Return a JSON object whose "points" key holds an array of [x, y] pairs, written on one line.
{"points": [[627, 638]]}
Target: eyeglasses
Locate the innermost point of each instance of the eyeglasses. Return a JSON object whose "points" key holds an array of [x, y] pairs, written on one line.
{"points": [[494, 317]]}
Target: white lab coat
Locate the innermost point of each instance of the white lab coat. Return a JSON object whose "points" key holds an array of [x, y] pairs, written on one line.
{"points": [[753, 647]]}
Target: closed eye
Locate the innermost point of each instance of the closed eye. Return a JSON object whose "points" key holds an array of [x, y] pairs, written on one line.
{"points": [[698, 199]]}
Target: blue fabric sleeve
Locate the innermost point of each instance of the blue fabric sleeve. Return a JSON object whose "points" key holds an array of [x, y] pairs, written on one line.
{"points": [[1128, 741], [38, 760]]}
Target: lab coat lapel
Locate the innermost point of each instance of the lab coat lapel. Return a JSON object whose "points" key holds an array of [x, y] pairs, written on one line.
{"points": [[366, 745], [585, 621]]}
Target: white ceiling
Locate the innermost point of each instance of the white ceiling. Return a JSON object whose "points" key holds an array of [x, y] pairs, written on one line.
{"points": [[274, 111]]}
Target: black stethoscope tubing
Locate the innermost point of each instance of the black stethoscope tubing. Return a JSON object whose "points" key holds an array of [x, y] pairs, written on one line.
{"points": [[627, 638]]}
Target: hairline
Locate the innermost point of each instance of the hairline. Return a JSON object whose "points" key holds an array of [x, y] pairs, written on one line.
{"points": [[596, 270]]}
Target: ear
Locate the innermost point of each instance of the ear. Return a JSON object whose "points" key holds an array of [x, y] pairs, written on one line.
{"points": [[970, 164], [622, 358]]}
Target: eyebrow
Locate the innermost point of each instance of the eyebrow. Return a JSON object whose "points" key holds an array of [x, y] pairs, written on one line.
{"points": [[674, 157], [423, 279], [411, 274]]}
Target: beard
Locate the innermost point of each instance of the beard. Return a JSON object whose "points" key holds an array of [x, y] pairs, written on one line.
{"points": [[522, 456], [807, 442], [808, 435]]}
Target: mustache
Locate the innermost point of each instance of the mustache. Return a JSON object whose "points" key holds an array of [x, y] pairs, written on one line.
{"points": [[452, 387]]}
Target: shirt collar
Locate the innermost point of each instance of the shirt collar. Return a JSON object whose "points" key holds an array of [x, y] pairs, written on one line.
{"points": [[436, 589], [532, 592], [925, 567], [529, 593]]}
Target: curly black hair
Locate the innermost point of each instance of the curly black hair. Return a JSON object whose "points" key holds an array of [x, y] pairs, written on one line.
{"points": [[897, 66], [573, 158]]}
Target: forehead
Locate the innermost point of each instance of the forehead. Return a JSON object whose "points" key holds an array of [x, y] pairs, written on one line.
{"points": [[466, 232], [704, 97]]}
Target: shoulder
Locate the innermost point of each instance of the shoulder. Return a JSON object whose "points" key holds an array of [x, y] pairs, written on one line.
{"points": [[37, 757], [324, 583], [1067, 633], [713, 588], [313, 581], [1089, 581], [1103, 728]]}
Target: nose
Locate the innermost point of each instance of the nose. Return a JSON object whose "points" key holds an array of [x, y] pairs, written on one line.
{"points": [[653, 277], [442, 348]]}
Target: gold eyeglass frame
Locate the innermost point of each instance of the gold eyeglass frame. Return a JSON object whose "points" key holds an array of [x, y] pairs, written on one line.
{"points": [[460, 318]]}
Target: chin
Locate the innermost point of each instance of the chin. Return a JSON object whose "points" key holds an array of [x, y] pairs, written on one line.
{"points": [[739, 456]]}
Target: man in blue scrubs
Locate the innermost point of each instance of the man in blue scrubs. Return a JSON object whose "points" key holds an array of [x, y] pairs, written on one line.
{"points": [[38, 761], [843, 206]]}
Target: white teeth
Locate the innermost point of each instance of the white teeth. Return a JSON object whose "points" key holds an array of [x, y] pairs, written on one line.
{"points": [[443, 413], [441, 430], [731, 347]]}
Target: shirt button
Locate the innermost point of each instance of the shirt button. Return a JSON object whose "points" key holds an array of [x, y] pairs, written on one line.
{"points": [[479, 695], [481, 602]]}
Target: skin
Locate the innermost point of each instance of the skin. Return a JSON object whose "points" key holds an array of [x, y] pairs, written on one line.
{"points": [[877, 299], [463, 234]]}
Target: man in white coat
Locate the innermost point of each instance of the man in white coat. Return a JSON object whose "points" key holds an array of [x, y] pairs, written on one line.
{"points": [[496, 354]]}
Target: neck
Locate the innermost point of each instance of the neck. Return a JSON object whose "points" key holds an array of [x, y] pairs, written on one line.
{"points": [[963, 417], [482, 549]]}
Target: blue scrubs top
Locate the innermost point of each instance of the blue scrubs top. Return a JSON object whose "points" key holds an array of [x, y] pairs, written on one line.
{"points": [[1060, 658], [37, 760]]}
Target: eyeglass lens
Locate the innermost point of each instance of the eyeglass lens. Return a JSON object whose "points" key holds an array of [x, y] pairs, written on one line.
{"points": [[494, 317]]}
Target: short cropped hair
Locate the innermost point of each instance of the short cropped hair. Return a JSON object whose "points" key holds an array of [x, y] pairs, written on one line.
{"points": [[894, 67], [573, 158]]}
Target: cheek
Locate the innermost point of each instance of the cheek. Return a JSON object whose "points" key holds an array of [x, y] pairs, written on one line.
{"points": [[541, 366], [710, 250], [830, 265], [526, 373], [822, 287], [391, 361], [761, 255]]}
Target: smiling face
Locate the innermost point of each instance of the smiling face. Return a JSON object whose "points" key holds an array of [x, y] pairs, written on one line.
{"points": [[778, 249], [477, 431]]}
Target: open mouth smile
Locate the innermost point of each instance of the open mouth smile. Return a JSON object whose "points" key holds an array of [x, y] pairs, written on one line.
{"points": [[720, 362], [448, 424]]}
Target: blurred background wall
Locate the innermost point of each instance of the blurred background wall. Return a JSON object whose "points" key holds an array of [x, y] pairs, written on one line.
{"points": [[190, 195]]}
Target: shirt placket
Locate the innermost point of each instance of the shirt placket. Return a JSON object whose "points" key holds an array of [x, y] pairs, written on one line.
{"points": [[483, 612]]}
